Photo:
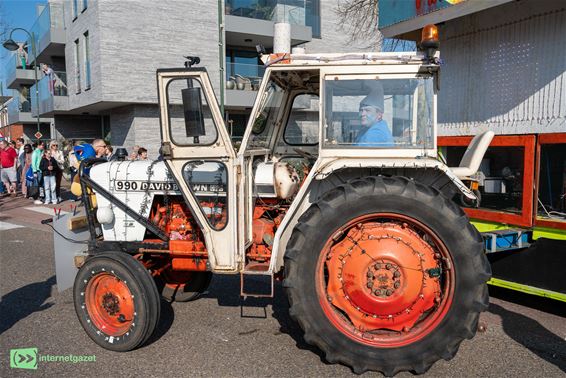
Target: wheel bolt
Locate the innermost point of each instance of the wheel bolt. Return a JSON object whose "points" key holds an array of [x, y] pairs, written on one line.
{"points": [[377, 292], [370, 284], [369, 274], [388, 292], [388, 266], [396, 284], [396, 274], [377, 266], [406, 329], [329, 298]]}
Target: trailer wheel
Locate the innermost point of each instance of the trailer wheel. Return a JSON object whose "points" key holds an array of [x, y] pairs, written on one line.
{"points": [[182, 286], [116, 301], [386, 274]]}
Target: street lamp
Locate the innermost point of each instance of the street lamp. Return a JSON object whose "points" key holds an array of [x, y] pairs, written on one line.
{"points": [[11, 45]]}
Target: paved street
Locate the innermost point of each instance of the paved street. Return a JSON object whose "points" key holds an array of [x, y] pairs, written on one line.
{"points": [[221, 335]]}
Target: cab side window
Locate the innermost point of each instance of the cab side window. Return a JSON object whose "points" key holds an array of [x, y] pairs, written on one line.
{"points": [[303, 121]]}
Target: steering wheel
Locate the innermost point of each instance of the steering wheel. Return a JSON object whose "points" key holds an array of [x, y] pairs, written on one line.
{"points": [[305, 154]]}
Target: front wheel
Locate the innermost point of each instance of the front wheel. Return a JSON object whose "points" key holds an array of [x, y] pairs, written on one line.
{"points": [[116, 301], [386, 274]]}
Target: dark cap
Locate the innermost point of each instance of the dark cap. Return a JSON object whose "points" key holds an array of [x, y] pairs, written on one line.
{"points": [[374, 98]]}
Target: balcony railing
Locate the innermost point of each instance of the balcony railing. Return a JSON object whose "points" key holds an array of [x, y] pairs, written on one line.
{"points": [[50, 86], [242, 76], [291, 11], [19, 104], [52, 17]]}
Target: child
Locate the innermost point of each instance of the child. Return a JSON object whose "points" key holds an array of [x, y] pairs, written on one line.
{"points": [[49, 167]]}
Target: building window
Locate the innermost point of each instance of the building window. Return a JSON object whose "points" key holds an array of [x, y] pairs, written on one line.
{"points": [[86, 59], [312, 16], [85, 5], [77, 66], [75, 9]]}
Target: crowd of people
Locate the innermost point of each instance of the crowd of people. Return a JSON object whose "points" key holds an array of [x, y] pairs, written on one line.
{"points": [[35, 170]]}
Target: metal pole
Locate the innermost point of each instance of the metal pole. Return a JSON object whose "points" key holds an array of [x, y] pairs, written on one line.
{"points": [[221, 54], [35, 76]]}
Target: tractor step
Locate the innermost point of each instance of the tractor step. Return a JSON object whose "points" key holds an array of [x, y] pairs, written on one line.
{"points": [[506, 240], [257, 270]]}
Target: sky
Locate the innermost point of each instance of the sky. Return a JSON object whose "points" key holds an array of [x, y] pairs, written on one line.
{"points": [[15, 13]]}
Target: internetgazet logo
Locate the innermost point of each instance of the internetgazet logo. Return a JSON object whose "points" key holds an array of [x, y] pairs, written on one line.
{"points": [[25, 358], [28, 358]]}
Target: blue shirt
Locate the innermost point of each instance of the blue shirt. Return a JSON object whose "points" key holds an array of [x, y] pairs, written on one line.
{"points": [[378, 135]]}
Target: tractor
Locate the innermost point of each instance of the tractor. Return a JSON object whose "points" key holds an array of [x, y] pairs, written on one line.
{"points": [[382, 269]]}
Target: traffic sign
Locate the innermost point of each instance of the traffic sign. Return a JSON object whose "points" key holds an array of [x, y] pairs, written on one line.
{"points": [[38, 135]]}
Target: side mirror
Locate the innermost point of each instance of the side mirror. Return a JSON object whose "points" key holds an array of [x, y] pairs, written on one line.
{"points": [[192, 109]]}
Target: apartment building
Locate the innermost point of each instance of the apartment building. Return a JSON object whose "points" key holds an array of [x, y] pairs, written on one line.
{"points": [[104, 55]]}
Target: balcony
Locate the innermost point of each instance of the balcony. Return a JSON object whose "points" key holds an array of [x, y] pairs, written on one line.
{"points": [[49, 30], [242, 84], [253, 20], [19, 111], [16, 74], [53, 95]]}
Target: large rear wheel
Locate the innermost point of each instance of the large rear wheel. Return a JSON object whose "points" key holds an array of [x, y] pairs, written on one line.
{"points": [[116, 301], [386, 274]]}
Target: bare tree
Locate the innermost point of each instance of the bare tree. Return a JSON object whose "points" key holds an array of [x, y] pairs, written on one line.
{"points": [[360, 22]]}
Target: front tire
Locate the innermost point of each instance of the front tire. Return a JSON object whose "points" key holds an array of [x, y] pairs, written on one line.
{"points": [[116, 301], [386, 274]]}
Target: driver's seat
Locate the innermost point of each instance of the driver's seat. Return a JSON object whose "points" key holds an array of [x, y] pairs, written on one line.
{"points": [[473, 156]]}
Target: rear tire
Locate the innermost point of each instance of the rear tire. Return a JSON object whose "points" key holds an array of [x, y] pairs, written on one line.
{"points": [[365, 313], [116, 301]]}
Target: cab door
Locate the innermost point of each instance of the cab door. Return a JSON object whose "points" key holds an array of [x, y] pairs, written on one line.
{"points": [[197, 150]]}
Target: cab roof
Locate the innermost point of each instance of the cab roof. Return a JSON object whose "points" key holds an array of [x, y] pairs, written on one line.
{"points": [[378, 58]]}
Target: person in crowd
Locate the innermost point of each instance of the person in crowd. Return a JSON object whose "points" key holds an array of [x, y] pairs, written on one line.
{"points": [[134, 155], [9, 161], [142, 154], [49, 168], [99, 146], [110, 153], [60, 159], [25, 167], [35, 161], [20, 150]]}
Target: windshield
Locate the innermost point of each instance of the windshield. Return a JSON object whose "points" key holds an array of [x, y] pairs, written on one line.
{"points": [[264, 123], [379, 113]]}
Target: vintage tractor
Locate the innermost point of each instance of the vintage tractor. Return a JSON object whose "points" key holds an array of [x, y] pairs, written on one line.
{"points": [[336, 189]]}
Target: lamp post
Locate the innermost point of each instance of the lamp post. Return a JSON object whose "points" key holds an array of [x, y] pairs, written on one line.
{"points": [[11, 45]]}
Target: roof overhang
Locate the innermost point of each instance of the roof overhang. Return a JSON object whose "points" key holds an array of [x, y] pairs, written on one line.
{"points": [[406, 29]]}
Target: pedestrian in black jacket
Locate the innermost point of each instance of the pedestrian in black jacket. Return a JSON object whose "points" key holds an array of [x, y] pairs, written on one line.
{"points": [[48, 167]]}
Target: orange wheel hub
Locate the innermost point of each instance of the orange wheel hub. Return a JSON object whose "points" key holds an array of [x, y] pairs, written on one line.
{"points": [[110, 304], [382, 282]]}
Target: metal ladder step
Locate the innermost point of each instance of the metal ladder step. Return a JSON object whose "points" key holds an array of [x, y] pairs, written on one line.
{"points": [[506, 240], [256, 269]]}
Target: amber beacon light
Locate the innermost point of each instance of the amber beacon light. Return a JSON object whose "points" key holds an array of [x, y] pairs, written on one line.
{"points": [[429, 40]]}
